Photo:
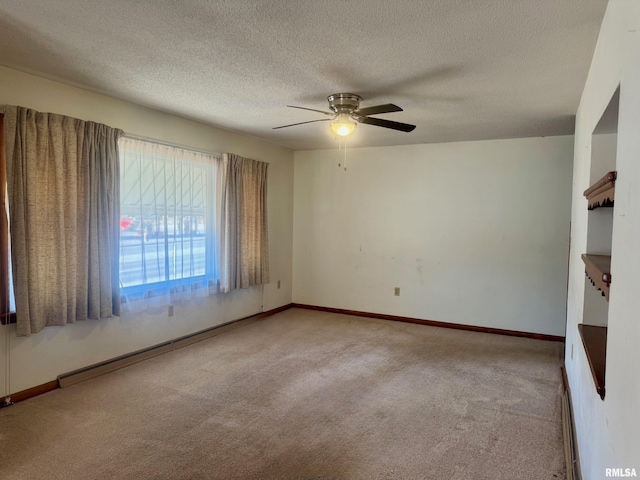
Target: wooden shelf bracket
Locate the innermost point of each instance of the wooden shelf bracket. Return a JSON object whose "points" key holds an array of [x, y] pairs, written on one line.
{"points": [[598, 269], [602, 193]]}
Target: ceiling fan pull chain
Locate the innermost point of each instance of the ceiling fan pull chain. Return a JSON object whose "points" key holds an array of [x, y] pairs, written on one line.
{"points": [[345, 154], [342, 153]]}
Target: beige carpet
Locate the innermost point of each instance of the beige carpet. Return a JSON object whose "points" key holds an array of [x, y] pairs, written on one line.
{"points": [[305, 395]]}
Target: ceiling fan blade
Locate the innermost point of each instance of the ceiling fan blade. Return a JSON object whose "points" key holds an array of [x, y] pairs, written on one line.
{"points": [[379, 122], [302, 123], [386, 108], [311, 110]]}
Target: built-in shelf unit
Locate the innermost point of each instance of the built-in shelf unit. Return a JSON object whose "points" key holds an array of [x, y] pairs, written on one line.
{"points": [[597, 260]]}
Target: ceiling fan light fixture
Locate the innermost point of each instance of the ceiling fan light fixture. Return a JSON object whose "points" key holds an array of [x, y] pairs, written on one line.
{"points": [[346, 114], [343, 124]]}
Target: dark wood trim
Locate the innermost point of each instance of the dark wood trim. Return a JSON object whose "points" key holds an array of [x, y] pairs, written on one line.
{"points": [[565, 379], [273, 311], [34, 391], [433, 323], [594, 339]]}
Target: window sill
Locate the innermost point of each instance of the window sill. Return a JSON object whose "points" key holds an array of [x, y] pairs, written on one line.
{"points": [[8, 318]]}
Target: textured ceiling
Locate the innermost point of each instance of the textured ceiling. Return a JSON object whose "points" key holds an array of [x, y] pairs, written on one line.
{"points": [[461, 69]]}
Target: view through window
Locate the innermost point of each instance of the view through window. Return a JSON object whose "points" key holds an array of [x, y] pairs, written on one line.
{"points": [[166, 216]]}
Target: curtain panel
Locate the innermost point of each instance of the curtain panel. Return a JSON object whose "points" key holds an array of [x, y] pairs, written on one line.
{"points": [[63, 190], [243, 245]]}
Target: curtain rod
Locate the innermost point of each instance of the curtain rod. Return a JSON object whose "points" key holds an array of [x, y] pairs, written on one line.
{"points": [[175, 145]]}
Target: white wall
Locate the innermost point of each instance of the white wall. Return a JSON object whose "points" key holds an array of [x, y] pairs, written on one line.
{"points": [[475, 233], [42, 357], [609, 431]]}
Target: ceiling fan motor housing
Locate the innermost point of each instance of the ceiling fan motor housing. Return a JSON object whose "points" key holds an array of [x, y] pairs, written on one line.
{"points": [[344, 102]]}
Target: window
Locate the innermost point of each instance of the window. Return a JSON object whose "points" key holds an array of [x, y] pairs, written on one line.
{"points": [[7, 301], [167, 219]]}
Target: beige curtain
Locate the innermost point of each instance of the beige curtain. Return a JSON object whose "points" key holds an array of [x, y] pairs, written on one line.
{"points": [[63, 185], [242, 222]]}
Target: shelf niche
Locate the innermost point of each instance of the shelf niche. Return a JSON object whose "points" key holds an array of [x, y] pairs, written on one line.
{"points": [[600, 205]]}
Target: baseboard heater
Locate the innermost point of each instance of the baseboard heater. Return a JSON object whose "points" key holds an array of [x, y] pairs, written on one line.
{"points": [[569, 435], [92, 371]]}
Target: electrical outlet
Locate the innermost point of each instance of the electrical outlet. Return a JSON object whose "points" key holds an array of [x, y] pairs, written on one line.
{"points": [[278, 283], [396, 291], [170, 311]]}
